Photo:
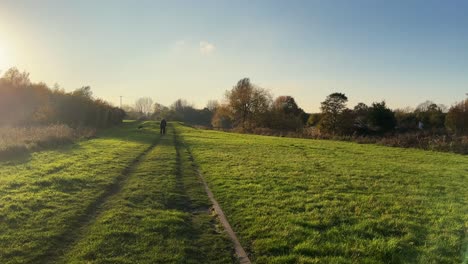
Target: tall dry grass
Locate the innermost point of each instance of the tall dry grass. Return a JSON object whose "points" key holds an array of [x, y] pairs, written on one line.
{"points": [[19, 140]]}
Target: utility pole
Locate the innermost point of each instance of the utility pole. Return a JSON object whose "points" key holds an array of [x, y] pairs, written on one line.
{"points": [[121, 102]]}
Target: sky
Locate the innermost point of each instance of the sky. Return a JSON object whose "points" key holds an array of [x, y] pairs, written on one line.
{"points": [[403, 52]]}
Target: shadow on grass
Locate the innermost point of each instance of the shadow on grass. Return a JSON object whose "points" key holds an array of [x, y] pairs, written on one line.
{"points": [[142, 132], [15, 156]]}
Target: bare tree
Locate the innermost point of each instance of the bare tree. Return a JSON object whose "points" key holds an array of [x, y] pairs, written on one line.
{"points": [[144, 105], [212, 105], [16, 78]]}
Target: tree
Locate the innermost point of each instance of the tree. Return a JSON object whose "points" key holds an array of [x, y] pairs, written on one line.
{"points": [[248, 103], [222, 118], [287, 105], [314, 119], [25, 103], [84, 91], [430, 114], [381, 118], [332, 108], [144, 105], [457, 118], [286, 114], [16, 78], [406, 119], [160, 111], [361, 113], [212, 105]]}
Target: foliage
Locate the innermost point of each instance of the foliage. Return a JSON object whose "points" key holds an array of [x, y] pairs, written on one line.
{"points": [[406, 120], [332, 108], [222, 118], [380, 118], [431, 115], [183, 111], [26, 103], [314, 119], [248, 104], [457, 118], [285, 114], [287, 105]]}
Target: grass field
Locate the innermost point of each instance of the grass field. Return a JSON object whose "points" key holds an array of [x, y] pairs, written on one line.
{"points": [[126, 196], [131, 196], [311, 201]]}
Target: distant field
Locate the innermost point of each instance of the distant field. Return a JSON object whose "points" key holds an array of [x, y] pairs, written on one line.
{"points": [[311, 201]]}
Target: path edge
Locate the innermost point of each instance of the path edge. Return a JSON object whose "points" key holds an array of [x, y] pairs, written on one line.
{"points": [[241, 254]]}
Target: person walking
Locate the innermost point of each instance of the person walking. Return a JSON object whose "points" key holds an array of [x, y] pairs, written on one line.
{"points": [[162, 127]]}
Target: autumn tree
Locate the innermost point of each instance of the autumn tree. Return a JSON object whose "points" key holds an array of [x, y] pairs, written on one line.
{"points": [[23, 102], [222, 117], [286, 114], [160, 111], [248, 103]]}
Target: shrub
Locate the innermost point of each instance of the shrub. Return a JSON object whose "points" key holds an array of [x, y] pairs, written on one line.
{"points": [[457, 118], [381, 119]]}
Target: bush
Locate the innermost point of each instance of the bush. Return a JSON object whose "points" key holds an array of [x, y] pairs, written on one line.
{"points": [[457, 118], [381, 119]]}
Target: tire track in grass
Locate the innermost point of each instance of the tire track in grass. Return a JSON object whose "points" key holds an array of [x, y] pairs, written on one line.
{"points": [[72, 235], [241, 254], [161, 215]]}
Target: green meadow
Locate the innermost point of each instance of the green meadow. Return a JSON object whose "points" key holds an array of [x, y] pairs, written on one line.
{"points": [[132, 196], [315, 201], [128, 196]]}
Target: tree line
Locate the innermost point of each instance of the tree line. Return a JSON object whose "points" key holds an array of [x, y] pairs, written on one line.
{"points": [[24, 103], [248, 107]]}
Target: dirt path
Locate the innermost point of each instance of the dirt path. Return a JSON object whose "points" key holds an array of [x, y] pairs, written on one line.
{"points": [[240, 252], [69, 238]]}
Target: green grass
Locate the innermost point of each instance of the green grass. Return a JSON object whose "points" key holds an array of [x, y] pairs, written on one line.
{"points": [[131, 196], [43, 199], [93, 202], [313, 201], [160, 216]]}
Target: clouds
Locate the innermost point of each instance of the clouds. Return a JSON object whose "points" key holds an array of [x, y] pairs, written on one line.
{"points": [[206, 48], [187, 46]]}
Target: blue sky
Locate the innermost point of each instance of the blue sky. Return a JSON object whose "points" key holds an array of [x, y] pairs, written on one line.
{"points": [[404, 52]]}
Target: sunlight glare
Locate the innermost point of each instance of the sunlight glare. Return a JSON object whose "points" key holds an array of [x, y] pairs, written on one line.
{"points": [[3, 58]]}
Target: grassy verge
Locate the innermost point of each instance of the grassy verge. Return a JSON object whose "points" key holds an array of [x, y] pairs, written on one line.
{"points": [[161, 215], [44, 199], [316, 201]]}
